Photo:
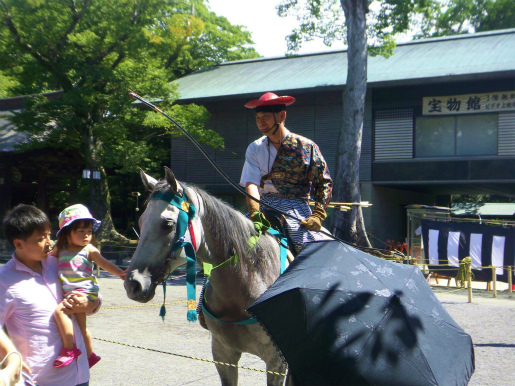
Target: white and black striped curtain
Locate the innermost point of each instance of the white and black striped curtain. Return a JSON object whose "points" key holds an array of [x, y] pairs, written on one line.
{"points": [[447, 243]]}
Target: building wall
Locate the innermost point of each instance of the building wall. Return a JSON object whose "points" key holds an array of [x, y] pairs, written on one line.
{"points": [[399, 178], [386, 219], [396, 111], [315, 115], [391, 176]]}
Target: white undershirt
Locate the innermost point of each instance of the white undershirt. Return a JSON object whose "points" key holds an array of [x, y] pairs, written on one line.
{"points": [[259, 159]]}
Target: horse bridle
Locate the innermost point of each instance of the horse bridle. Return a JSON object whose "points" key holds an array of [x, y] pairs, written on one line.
{"points": [[187, 212]]}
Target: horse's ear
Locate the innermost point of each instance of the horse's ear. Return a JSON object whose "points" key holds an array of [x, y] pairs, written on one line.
{"points": [[148, 181], [172, 181]]}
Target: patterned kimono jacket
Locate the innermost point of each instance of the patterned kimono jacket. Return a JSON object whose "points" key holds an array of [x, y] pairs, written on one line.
{"points": [[296, 173]]}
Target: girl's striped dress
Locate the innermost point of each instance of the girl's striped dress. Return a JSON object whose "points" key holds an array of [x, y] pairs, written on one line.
{"points": [[76, 273]]}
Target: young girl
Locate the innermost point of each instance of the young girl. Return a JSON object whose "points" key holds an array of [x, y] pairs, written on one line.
{"points": [[76, 258]]}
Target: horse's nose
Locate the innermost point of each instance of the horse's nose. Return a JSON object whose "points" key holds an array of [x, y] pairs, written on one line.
{"points": [[133, 288]]}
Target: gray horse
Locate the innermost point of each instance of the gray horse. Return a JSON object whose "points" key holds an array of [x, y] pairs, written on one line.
{"points": [[219, 232]]}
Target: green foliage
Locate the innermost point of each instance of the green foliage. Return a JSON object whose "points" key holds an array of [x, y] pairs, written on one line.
{"points": [[91, 52], [317, 19], [7, 83], [95, 52], [452, 17], [480, 198], [498, 14], [386, 19]]}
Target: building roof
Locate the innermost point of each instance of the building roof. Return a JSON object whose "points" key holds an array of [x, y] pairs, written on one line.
{"points": [[489, 209], [9, 137], [461, 57]]}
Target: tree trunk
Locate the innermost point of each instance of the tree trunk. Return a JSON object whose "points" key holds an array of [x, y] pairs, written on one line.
{"points": [[99, 196], [350, 225], [107, 230]]}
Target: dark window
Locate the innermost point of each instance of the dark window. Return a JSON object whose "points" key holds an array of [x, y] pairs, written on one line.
{"points": [[459, 135]]}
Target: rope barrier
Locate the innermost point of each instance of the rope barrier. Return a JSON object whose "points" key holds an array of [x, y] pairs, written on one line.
{"points": [[189, 357], [144, 305], [426, 262], [454, 290]]}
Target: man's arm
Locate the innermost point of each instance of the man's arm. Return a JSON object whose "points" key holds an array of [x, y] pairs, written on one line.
{"points": [[11, 373], [252, 205], [323, 185], [251, 178], [322, 181]]}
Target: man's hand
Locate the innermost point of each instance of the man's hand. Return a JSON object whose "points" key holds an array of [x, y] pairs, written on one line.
{"points": [[314, 222], [77, 302], [252, 205]]}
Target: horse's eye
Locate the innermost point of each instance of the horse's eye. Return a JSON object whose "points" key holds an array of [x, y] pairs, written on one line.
{"points": [[168, 224]]}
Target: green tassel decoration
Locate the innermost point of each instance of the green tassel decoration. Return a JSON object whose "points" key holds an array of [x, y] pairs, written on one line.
{"points": [[162, 311], [192, 316]]}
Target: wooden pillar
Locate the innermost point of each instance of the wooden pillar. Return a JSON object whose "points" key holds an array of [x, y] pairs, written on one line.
{"points": [[469, 281], [510, 279], [42, 191], [73, 191], [7, 186], [494, 279]]}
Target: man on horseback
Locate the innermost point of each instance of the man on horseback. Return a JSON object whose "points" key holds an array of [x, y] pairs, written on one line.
{"points": [[283, 169]]}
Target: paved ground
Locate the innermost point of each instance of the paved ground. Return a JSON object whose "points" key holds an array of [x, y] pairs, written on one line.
{"points": [[142, 326], [488, 320], [176, 352]]}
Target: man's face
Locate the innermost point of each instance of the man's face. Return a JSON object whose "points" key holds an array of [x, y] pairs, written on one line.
{"points": [[35, 248], [266, 121]]}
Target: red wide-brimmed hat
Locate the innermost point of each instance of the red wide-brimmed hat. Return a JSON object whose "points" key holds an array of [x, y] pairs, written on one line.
{"points": [[270, 99]]}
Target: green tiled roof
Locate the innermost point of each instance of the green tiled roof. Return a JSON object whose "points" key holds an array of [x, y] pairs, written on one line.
{"points": [[461, 57]]}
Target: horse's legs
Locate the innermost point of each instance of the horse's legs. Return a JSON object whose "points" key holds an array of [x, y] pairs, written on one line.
{"points": [[289, 380], [221, 353], [275, 365]]}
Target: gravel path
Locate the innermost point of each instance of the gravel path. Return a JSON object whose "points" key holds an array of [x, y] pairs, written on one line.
{"points": [[491, 323], [176, 352]]}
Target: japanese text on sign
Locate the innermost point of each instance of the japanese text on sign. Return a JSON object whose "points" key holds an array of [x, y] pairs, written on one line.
{"points": [[469, 103]]}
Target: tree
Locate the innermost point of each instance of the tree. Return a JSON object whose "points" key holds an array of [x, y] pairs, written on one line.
{"points": [[93, 51], [325, 19], [452, 17], [356, 21]]}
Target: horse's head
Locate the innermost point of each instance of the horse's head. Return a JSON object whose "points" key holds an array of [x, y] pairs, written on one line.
{"points": [[154, 258]]}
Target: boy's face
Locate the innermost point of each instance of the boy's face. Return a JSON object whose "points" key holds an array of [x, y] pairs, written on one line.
{"points": [[34, 249]]}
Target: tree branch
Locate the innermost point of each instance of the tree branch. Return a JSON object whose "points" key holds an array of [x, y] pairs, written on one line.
{"points": [[75, 20], [121, 39], [40, 58], [171, 59], [121, 56]]}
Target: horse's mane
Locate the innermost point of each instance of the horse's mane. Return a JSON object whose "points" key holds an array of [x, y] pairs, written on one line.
{"points": [[228, 231]]}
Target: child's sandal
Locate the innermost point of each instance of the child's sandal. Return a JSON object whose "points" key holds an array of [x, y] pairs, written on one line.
{"points": [[93, 360], [66, 357]]}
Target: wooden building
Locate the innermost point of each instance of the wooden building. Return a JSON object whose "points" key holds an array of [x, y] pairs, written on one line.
{"points": [[439, 120], [30, 177]]}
